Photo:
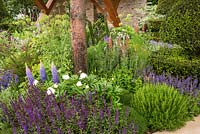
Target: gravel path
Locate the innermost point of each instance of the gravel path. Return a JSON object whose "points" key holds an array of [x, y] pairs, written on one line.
{"points": [[191, 127]]}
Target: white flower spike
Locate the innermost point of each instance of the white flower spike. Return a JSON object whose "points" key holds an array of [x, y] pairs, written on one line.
{"points": [[79, 84], [83, 75], [35, 82], [86, 87], [50, 91], [65, 77], [55, 85]]}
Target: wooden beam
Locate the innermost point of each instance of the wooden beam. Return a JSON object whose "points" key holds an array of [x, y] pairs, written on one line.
{"points": [[97, 6], [40, 4], [112, 11], [50, 5]]}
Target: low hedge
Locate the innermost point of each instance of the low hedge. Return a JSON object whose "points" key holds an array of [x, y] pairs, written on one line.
{"points": [[174, 62]]}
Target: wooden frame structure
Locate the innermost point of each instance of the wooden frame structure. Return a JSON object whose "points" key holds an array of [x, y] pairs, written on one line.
{"points": [[110, 9]]}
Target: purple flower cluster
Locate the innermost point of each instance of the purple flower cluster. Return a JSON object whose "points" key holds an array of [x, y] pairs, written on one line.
{"points": [[55, 76], [43, 75], [7, 78], [44, 114], [189, 85], [29, 76]]}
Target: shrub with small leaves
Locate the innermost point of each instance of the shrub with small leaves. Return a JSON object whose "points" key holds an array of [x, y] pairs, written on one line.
{"points": [[163, 107]]}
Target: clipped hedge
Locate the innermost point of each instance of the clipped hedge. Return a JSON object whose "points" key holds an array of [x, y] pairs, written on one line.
{"points": [[172, 61], [163, 107], [165, 6], [182, 26]]}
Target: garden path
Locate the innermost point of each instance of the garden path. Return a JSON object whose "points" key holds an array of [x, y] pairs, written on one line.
{"points": [[191, 127]]}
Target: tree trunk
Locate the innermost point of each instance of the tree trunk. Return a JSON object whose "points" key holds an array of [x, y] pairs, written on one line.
{"points": [[78, 35]]}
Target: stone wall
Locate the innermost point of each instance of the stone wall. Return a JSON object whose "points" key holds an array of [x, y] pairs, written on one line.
{"points": [[125, 7]]}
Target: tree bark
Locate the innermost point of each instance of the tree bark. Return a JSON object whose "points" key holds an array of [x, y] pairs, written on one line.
{"points": [[78, 35]]}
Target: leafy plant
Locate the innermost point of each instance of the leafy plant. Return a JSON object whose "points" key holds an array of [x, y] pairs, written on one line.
{"points": [[97, 30], [42, 113], [162, 106]]}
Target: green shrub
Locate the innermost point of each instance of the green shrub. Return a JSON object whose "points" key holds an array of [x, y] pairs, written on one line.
{"points": [[173, 61], [182, 26], [164, 6], [163, 107], [153, 2]]}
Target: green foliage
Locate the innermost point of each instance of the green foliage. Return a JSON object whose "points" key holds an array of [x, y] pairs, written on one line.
{"points": [[52, 42], [182, 26], [3, 11], [5, 97], [153, 2], [76, 85], [164, 6], [96, 31], [153, 21], [163, 107], [14, 54], [138, 119], [126, 53], [173, 61], [49, 42], [14, 7]]}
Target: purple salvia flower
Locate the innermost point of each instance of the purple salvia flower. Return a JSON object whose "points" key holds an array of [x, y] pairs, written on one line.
{"points": [[124, 131], [43, 75], [90, 97], [54, 72], [127, 112], [29, 76], [101, 114], [106, 38], [117, 116]]}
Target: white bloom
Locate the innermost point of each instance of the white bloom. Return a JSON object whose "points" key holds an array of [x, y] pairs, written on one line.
{"points": [[65, 77], [35, 82], [86, 86], [79, 84], [83, 75], [50, 91], [55, 85], [112, 78]]}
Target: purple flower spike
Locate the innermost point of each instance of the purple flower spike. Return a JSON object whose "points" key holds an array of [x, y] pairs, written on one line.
{"points": [[43, 75], [29, 76], [54, 74], [117, 116], [106, 39], [124, 131]]}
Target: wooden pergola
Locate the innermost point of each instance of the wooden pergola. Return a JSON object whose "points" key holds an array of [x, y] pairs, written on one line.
{"points": [[110, 8]]}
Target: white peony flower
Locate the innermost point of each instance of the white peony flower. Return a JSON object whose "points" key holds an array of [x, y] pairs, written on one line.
{"points": [[50, 91], [86, 87], [35, 82], [79, 84], [83, 75], [55, 85], [65, 77]]}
